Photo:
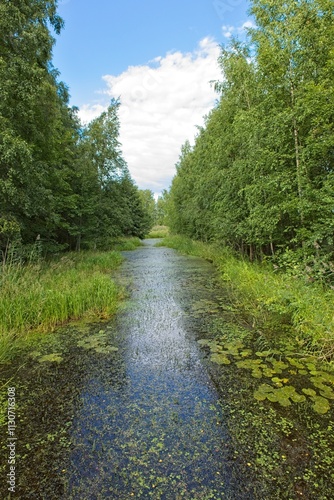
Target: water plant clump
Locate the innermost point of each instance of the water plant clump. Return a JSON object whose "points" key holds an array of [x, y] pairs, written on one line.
{"points": [[303, 371], [98, 343]]}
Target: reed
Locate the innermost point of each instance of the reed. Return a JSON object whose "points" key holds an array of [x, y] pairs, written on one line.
{"points": [[38, 297]]}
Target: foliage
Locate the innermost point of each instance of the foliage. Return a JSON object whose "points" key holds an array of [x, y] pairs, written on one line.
{"points": [[161, 218], [260, 175], [158, 232], [149, 207], [64, 184]]}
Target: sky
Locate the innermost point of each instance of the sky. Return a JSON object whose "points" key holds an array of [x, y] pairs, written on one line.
{"points": [[159, 58]]}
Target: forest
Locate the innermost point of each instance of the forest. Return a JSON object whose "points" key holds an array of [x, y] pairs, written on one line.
{"points": [[61, 183], [259, 178]]}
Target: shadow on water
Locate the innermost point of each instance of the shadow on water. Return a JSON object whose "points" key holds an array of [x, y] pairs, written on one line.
{"points": [[145, 421]]}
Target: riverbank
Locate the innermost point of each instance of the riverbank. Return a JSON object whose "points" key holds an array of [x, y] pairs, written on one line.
{"points": [[271, 345], [284, 313], [37, 297]]}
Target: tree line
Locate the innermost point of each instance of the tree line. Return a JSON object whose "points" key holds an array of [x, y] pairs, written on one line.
{"points": [[260, 176], [60, 182]]}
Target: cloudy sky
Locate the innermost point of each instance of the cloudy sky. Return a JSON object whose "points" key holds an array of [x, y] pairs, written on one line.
{"points": [[159, 57]]}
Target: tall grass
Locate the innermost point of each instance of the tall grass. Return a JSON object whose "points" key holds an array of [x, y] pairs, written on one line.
{"points": [[158, 232], [284, 310], [40, 296]]}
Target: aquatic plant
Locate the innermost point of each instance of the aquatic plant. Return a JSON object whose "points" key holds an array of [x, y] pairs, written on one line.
{"points": [[226, 353], [97, 342]]}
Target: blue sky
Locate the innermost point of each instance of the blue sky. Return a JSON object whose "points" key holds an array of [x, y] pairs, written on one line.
{"points": [[159, 56]]}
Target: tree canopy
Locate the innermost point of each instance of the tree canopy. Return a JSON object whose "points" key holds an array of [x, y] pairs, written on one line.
{"points": [[260, 175], [59, 181]]}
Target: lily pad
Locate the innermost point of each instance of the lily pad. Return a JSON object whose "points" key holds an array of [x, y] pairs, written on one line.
{"points": [[319, 382], [284, 395], [262, 392], [246, 353], [268, 372], [296, 363], [263, 354], [279, 381], [327, 393], [321, 405], [279, 366], [252, 364], [309, 392], [220, 359]]}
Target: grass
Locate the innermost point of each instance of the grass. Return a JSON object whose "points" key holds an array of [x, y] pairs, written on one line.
{"points": [[38, 297], [158, 232], [284, 311]]}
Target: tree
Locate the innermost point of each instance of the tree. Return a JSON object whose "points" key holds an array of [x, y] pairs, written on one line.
{"points": [[260, 175], [149, 208]]}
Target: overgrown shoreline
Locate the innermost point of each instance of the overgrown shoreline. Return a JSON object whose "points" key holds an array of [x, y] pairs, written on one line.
{"points": [[281, 422], [284, 312], [39, 296]]}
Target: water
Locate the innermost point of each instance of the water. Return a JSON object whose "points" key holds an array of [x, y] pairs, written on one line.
{"points": [[159, 433], [146, 421]]}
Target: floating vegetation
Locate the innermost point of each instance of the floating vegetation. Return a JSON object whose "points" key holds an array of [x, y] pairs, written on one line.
{"points": [[204, 306], [284, 395], [220, 359], [290, 370], [252, 364], [97, 342], [51, 358], [321, 405]]}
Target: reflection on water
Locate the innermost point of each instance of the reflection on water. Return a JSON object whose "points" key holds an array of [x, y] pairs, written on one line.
{"points": [[160, 432]]}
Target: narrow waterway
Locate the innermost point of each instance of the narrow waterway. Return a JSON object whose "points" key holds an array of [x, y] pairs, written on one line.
{"points": [[134, 407], [126, 408], [157, 429]]}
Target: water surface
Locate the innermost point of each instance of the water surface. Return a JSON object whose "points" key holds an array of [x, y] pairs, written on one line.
{"points": [[157, 430], [145, 421]]}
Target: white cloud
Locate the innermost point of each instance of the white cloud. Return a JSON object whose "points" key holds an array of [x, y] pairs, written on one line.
{"points": [[229, 31], [90, 111], [162, 102]]}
